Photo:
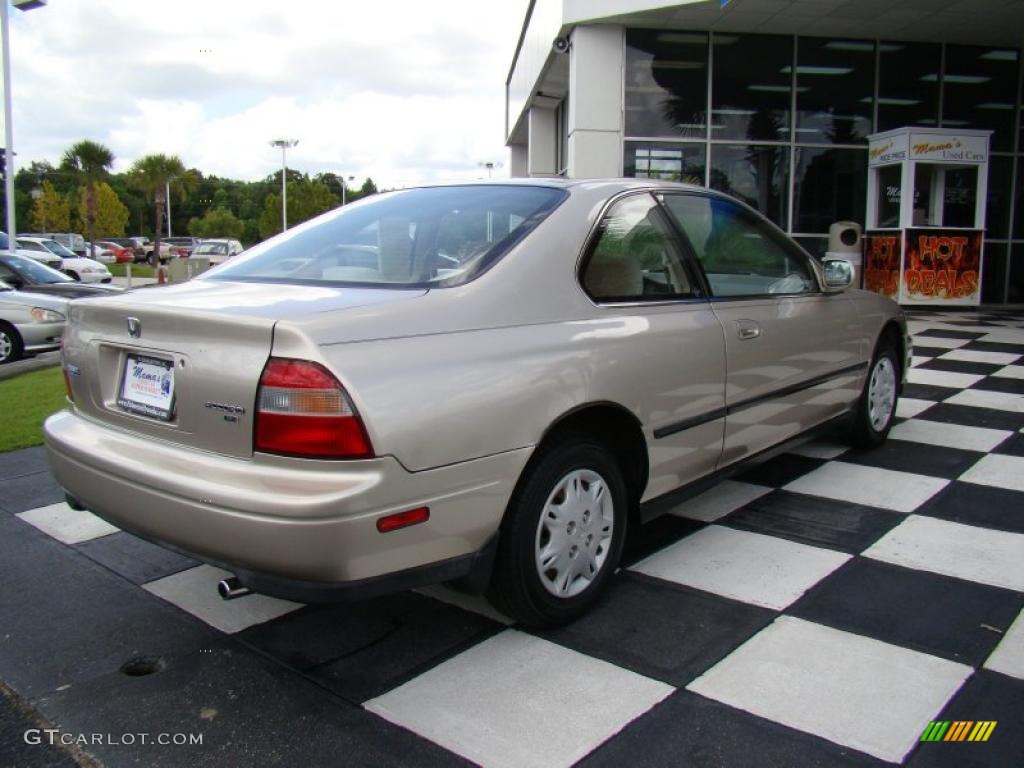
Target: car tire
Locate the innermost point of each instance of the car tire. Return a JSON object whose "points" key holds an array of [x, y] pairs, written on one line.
{"points": [[73, 275], [876, 407], [11, 346], [562, 535]]}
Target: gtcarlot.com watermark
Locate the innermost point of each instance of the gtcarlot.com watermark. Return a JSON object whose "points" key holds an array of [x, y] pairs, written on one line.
{"points": [[54, 736]]}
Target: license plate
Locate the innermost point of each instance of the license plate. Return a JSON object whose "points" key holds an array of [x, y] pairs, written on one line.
{"points": [[148, 387]]}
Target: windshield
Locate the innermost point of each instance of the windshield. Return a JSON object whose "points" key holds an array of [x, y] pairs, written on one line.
{"points": [[212, 248], [33, 272], [431, 237], [58, 250]]}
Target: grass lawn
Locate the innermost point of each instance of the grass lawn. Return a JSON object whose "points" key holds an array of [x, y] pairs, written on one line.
{"points": [[138, 270], [25, 402]]}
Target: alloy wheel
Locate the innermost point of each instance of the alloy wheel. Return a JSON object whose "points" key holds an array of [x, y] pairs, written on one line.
{"points": [[881, 393]]}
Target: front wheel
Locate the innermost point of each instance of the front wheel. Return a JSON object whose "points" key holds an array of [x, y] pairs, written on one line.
{"points": [[877, 405], [10, 343], [562, 536]]}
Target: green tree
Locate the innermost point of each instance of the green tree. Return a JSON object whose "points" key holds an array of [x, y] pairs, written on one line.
{"points": [[152, 175], [111, 214], [89, 161], [218, 222], [306, 199], [51, 211]]}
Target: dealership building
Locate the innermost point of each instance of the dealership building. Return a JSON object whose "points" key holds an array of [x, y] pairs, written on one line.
{"points": [[774, 101]]}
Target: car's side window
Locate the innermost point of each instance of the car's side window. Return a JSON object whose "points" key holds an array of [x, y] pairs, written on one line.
{"points": [[741, 255], [633, 257]]}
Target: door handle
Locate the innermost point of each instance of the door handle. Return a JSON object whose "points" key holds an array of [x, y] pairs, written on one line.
{"points": [[747, 330]]}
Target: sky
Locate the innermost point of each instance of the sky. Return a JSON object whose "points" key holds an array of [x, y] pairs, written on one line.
{"points": [[403, 91]]}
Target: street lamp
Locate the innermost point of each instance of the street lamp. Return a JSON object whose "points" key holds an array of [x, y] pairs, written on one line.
{"points": [[21, 5], [343, 180], [490, 165], [284, 144]]}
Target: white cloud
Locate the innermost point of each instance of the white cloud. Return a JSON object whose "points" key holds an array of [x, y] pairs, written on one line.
{"points": [[399, 90]]}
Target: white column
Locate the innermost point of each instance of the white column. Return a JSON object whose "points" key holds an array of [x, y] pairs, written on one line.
{"points": [[543, 138], [517, 166], [596, 63]]}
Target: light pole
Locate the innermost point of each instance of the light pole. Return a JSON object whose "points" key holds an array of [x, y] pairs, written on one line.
{"points": [[22, 5], [490, 165], [343, 180], [284, 144], [167, 194]]}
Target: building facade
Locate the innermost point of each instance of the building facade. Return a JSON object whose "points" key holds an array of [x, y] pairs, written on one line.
{"points": [[772, 101]]}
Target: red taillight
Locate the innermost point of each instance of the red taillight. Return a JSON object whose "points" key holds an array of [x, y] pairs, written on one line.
{"points": [[302, 410], [403, 519]]}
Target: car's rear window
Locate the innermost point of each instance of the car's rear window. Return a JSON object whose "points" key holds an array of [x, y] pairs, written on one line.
{"points": [[427, 237]]}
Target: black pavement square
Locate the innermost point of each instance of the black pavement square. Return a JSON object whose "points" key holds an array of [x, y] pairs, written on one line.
{"points": [[995, 346], [960, 366], [66, 619], [780, 471], [927, 392], [982, 505], [944, 333], [958, 620], [134, 559], [25, 492], [24, 462], [248, 710], [1001, 384], [362, 649], [972, 416], [1012, 446], [921, 350], [918, 458], [985, 696], [689, 730], [814, 520], [666, 632]]}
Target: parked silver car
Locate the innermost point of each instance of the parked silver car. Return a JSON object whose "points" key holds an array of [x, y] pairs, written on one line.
{"points": [[480, 381], [29, 323]]}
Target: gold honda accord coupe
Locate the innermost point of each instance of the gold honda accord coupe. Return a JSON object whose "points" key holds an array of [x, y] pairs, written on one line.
{"points": [[482, 383]]}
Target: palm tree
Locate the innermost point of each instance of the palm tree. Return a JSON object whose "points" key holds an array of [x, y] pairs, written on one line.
{"points": [[89, 161], [152, 175]]}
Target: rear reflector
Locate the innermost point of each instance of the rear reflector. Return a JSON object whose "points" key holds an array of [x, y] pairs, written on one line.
{"points": [[403, 519], [302, 410]]}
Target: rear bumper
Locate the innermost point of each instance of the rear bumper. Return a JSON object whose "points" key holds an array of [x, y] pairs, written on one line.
{"points": [[278, 522]]}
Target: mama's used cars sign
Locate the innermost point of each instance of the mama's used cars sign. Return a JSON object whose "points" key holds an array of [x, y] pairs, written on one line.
{"points": [[966, 148]]}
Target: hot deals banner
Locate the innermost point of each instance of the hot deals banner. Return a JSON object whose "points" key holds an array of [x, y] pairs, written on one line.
{"points": [[942, 266], [882, 251]]}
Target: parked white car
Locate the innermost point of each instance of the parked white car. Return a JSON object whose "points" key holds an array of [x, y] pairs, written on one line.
{"points": [[217, 250], [29, 322], [76, 267]]}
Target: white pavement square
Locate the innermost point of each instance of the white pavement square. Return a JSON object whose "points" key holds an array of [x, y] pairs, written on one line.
{"points": [[937, 342], [942, 378], [719, 501], [67, 525], [981, 398], [953, 549], [999, 471], [1010, 372], [909, 407], [873, 486], [1008, 657], [517, 700], [949, 435], [970, 356], [821, 449], [835, 684], [750, 567], [195, 591]]}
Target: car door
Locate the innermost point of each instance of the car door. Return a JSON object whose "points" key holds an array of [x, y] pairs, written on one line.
{"points": [[672, 373], [794, 353]]}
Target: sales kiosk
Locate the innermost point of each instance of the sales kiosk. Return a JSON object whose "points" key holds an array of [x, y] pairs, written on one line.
{"points": [[927, 191]]}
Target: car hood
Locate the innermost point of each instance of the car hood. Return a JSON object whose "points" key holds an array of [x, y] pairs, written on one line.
{"points": [[32, 299]]}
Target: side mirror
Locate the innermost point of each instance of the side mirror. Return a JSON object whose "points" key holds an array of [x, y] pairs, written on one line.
{"points": [[838, 275]]}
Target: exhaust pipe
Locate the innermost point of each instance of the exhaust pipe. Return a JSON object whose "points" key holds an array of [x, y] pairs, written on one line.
{"points": [[231, 588]]}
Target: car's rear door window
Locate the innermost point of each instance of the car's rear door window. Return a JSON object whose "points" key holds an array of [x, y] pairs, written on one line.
{"points": [[741, 255], [633, 257]]}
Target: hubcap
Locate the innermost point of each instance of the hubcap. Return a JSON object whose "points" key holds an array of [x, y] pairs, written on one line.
{"points": [[881, 393], [6, 346], [574, 533]]}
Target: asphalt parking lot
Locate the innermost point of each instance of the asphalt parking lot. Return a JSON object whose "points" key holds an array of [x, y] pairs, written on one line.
{"points": [[823, 608]]}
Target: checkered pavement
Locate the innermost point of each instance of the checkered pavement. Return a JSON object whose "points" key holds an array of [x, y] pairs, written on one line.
{"points": [[820, 608]]}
